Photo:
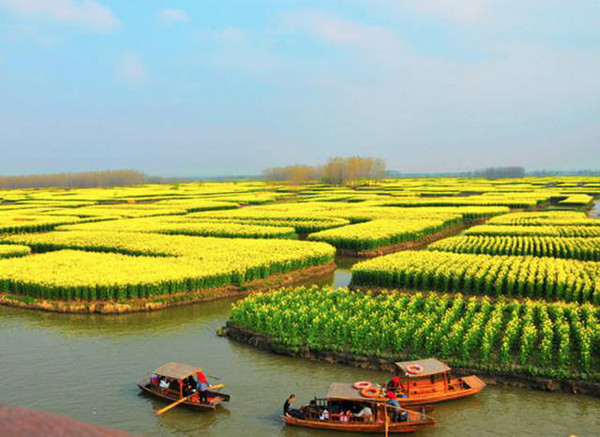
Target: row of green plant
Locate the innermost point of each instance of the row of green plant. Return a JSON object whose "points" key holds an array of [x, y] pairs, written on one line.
{"points": [[162, 263], [545, 218], [80, 275], [302, 225], [577, 200], [548, 231], [523, 276], [511, 202], [379, 233], [540, 338], [16, 224], [13, 250], [587, 249], [181, 226]]}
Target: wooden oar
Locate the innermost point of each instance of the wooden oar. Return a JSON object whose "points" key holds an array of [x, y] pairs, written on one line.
{"points": [[174, 404], [387, 421]]}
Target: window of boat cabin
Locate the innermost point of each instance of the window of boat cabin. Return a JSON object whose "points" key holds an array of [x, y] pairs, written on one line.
{"points": [[339, 408], [434, 378], [440, 377]]}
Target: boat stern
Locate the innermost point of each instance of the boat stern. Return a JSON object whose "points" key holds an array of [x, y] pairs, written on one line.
{"points": [[474, 383]]}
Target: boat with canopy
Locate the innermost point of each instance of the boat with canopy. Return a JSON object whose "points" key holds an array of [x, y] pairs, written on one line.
{"points": [[344, 407], [177, 383], [430, 381]]}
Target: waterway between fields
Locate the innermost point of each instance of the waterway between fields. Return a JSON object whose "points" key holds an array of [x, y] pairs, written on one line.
{"points": [[595, 211], [85, 367]]}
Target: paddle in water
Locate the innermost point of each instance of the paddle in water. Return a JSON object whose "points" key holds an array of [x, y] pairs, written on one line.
{"points": [[180, 401]]}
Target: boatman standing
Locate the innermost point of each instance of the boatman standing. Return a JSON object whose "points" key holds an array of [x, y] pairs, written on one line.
{"points": [[202, 385]]}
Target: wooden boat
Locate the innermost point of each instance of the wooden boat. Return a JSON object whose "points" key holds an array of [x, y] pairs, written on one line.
{"points": [[429, 381], [175, 374], [344, 397]]}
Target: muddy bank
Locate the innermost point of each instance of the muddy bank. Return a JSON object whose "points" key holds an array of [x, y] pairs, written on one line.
{"points": [[266, 343], [410, 245], [165, 301]]}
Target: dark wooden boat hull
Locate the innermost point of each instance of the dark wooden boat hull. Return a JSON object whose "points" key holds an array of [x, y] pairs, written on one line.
{"points": [[373, 428], [218, 398]]}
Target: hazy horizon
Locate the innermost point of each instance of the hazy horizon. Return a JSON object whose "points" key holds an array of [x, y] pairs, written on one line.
{"points": [[217, 88]]}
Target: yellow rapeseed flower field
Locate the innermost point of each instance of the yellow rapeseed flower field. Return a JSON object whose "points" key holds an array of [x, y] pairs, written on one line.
{"points": [[203, 262]]}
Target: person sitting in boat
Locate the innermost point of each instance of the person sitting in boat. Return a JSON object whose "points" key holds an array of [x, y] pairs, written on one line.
{"points": [[202, 386], [154, 379], [366, 414], [162, 383], [324, 415], [189, 386], [289, 410], [345, 417]]}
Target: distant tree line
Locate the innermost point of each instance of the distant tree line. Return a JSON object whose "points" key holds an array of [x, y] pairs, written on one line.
{"points": [[500, 172], [337, 170], [92, 179], [587, 172]]}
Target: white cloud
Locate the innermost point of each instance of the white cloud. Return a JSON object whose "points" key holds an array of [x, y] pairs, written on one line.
{"points": [[455, 10], [377, 40], [173, 15], [130, 69], [507, 105], [85, 13], [458, 11]]}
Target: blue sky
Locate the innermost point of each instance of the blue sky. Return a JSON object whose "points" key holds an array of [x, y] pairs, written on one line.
{"points": [[198, 87]]}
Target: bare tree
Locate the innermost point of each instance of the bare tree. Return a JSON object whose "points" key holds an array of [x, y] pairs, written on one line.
{"points": [[338, 170], [109, 178]]}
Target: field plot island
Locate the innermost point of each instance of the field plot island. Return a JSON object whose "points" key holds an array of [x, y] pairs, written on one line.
{"points": [[150, 246]]}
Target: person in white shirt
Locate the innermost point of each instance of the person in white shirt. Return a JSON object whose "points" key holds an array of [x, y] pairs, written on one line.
{"points": [[163, 383], [366, 413], [324, 415]]}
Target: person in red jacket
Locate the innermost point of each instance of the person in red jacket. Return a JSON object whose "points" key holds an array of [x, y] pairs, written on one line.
{"points": [[392, 399], [202, 386], [394, 384]]}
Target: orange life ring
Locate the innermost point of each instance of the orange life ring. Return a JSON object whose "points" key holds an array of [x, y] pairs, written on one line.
{"points": [[414, 369], [370, 392], [360, 385]]}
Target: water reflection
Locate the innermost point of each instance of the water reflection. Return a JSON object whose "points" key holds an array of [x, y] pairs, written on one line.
{"points": [[595, 211], [155, 322], [340, 277]]}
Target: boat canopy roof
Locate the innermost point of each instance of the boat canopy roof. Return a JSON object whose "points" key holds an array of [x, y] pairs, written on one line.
{"points": [[341, 391], [176, 370], [430, 366]]}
